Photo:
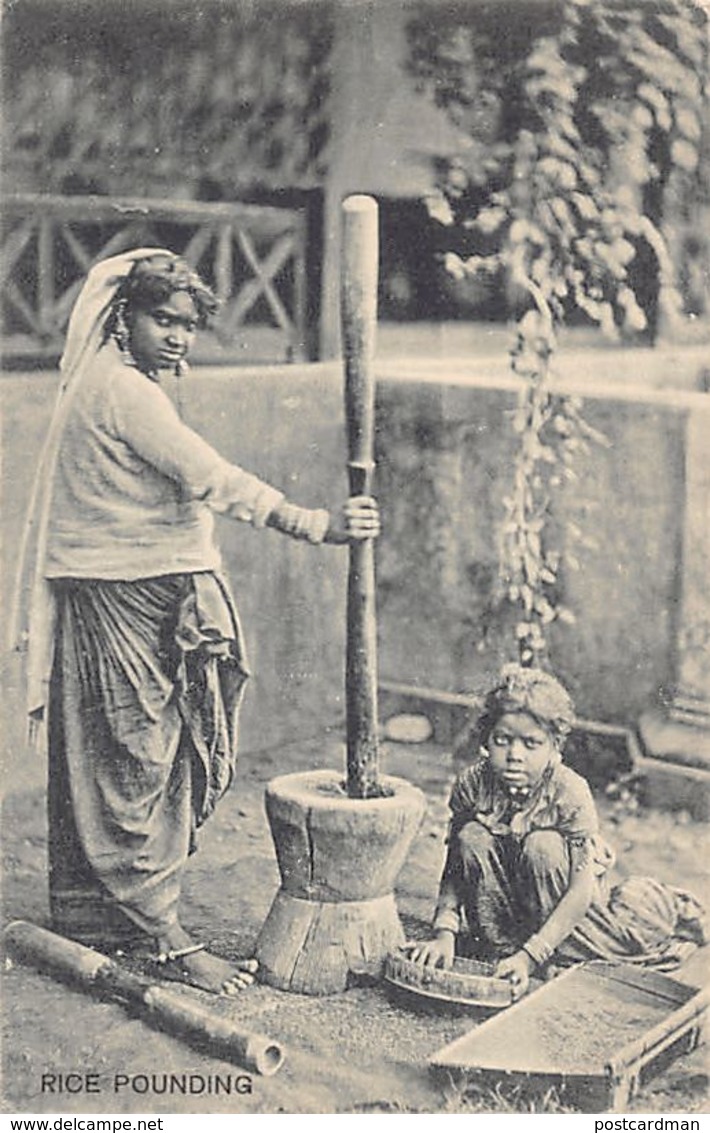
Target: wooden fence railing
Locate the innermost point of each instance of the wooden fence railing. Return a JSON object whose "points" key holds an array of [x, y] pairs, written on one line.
{"points": [[253, 256]]}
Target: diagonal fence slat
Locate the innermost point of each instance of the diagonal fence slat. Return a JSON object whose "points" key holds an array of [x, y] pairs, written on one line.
{"points": [[198, 244], [14, 246], [30, 316], [81, 254]]}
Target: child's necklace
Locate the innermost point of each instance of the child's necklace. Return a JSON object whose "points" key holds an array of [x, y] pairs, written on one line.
{"points": [[518, 796]]}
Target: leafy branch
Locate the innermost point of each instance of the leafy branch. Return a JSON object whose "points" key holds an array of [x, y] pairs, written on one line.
{"points": [[557, 194]]}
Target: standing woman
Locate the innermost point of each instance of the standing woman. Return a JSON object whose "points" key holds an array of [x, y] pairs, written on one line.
{"points": [[136, 660]]}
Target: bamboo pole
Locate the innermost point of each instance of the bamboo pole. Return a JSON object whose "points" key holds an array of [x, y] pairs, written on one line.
{"points": [[358, 294], [167, 1009]]}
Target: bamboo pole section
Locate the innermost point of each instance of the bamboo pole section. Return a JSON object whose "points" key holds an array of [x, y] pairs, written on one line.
{"points": [[358, 295]]}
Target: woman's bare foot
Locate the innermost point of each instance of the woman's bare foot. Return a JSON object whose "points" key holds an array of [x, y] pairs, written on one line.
{"points": [[200, 968]]}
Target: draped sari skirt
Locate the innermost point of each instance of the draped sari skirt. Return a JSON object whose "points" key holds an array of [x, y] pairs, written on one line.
{"points": [[146, 685]]}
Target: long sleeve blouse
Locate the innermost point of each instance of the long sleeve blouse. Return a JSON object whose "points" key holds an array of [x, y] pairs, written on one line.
{"points": [[135, 487]]}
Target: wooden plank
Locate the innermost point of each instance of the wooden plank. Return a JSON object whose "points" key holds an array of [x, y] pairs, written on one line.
{"points": [[574, 1025], [653, 983], [18, 346], [267, 220], [45, 275], [223, 267], [298, 345], [668, 1031]]}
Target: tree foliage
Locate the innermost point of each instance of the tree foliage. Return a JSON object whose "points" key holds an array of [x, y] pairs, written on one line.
{"points": [[236, 97], [576, 120]]}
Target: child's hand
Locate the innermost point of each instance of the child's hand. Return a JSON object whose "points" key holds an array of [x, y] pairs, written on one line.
{"points": [[437, 953], [358, 518], [517, 969]]}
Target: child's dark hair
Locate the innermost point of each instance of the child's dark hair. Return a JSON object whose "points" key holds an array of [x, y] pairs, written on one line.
{"points": [[533, 691]]}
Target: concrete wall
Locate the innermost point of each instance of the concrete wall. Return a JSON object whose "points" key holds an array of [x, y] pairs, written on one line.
{"points": [[444, 450], [444, 465]]}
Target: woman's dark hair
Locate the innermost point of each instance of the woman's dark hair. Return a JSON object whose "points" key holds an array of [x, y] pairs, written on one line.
{"points": [[153, 280]]}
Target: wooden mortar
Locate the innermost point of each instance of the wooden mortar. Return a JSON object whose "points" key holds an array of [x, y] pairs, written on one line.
{"points": [[339, 858]]}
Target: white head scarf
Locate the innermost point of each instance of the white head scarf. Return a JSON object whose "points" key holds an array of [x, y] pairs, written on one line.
{"points": [[32, 620]]}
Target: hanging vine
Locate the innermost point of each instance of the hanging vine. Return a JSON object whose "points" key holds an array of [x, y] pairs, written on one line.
{"points": [[575, 122]]}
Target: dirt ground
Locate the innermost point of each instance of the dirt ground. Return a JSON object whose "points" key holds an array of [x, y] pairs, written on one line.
{"points": [[355, 1052]]}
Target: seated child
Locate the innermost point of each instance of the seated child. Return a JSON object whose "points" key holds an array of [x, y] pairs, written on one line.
{"points": [[526, 864]]}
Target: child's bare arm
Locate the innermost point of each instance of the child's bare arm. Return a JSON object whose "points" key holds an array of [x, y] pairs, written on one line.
{"points": [[566, 915], [440, 950]]}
